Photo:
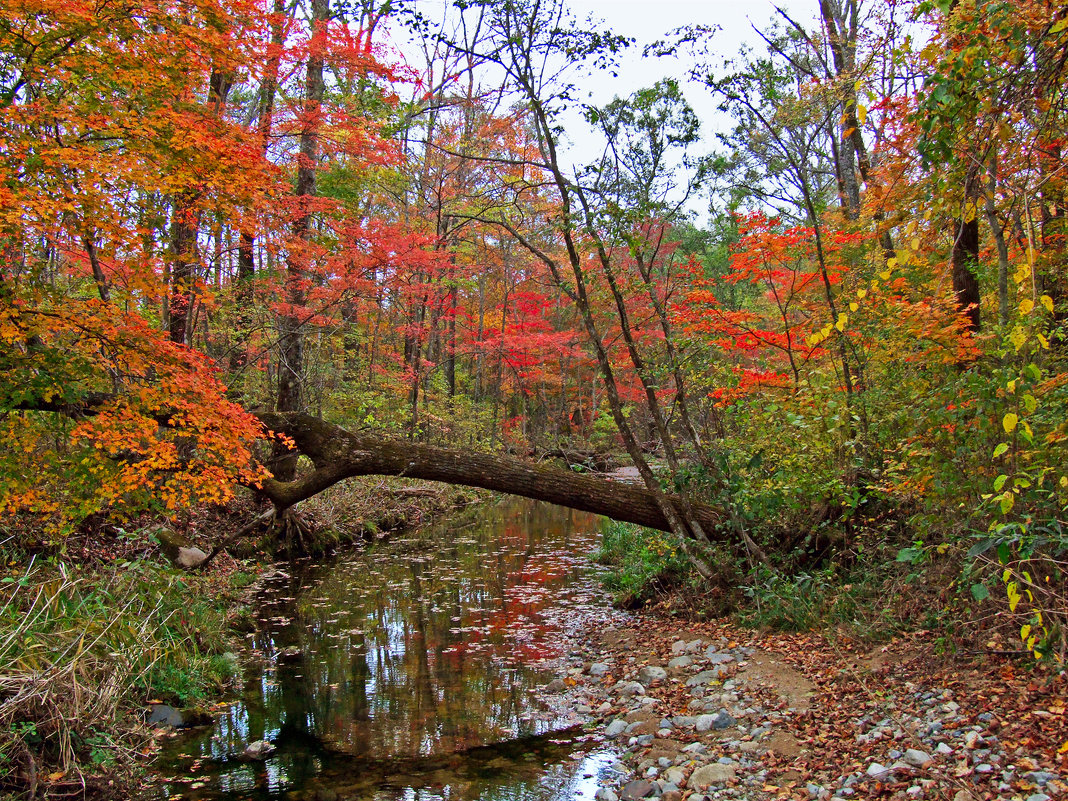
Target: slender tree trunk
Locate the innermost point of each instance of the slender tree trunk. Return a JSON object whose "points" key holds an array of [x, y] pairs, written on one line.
{"points": [[291, 325], [965, 257]]}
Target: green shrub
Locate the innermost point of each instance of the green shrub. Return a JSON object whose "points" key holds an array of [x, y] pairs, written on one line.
{"points": [[641, 562]]}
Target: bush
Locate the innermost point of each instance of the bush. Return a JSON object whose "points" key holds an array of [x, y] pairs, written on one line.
{"points": [[78, 651], [642, 562]]}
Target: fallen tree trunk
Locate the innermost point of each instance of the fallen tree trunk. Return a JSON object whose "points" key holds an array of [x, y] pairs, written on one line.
{"points": [[339, 454]]}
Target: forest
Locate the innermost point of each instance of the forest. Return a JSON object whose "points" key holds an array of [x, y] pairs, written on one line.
{"points": [[252, 249]]}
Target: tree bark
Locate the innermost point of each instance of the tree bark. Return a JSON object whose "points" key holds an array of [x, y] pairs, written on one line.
{"points": [[339, 454]]}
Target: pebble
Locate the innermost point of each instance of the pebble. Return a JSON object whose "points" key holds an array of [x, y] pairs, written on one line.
{"points": [[710, 774], [916, 758], [650, 673]]}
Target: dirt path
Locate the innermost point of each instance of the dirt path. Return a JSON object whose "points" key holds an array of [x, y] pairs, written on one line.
{"points": [[711, 711]]}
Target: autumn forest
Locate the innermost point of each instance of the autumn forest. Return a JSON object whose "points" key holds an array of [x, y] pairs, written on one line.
{"points": [[252, 248]]}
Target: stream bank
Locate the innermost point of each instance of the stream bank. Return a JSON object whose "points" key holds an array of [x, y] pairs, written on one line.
{"points": [[709, 710]]}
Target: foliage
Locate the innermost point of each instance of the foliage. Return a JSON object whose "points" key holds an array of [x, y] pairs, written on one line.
{"points": [[81, 650], [641, 563]]}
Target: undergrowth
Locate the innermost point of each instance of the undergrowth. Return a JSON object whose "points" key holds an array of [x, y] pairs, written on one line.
{"points": [[642, 563], [82, 652]]}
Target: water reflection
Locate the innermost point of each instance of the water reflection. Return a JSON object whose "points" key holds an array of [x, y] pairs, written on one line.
{"points": [[382, 666]]}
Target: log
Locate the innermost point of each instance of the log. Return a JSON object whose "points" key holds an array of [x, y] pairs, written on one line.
{"points": [[338, 454]]}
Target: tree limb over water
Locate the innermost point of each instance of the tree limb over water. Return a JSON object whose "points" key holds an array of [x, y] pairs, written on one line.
{"points": [[338, 454]]}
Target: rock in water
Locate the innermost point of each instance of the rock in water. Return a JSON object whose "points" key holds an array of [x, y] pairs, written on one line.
{"points": [[164, 715], [259, 750]]}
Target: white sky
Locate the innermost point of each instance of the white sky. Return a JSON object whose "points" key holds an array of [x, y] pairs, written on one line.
{"points": [[651, 20]]}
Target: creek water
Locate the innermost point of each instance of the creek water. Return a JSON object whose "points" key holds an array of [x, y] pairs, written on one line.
{"points": [[410, 669]]}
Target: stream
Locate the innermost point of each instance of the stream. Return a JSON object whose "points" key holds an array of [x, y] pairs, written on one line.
{"points": [[410, 670]]}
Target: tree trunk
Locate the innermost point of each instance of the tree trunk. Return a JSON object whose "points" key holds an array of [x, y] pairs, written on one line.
{"points": [[965, 258], [339, 454], [290, 324]]}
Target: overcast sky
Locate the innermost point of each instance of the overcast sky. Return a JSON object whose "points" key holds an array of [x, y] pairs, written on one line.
{"points": [[648, 21]]}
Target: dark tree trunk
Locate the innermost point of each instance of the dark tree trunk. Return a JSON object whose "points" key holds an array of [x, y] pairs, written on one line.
{"points": [[339, 454], [965, 258], [291, 324]]}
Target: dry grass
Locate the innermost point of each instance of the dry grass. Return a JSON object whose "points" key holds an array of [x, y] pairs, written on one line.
{"points": [[80, 652]]}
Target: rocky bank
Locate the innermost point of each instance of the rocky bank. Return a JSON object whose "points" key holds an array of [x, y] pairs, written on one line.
{"points": [[711, 711]]}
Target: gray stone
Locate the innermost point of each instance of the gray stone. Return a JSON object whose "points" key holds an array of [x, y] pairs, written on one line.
{"points": [[631, 688], [651, 673], [164, 715], [615, 728], [188, 558], [605, 794], [259, 750], [683, 721], [944, 749], [693, 646], [696, 748], [1038, 797], [875, 770], [675, 775], [704, 677], [641, 788], [678, 647], [986, 767], [719, 659], [915, 757], [556, 686], [705, 722], [723, 720], [598, 669], [680, 662], [709, 775]]}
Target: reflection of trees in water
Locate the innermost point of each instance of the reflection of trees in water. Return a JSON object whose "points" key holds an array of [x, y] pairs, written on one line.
{"points": [[414, 649]]}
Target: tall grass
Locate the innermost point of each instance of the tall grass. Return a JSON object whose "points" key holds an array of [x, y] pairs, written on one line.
{"points": [[81, 652]]}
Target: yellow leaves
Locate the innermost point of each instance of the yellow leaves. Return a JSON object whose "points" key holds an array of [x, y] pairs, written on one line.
{"points": [[841, 322], [862, 113], [1047, 303], [1026, 306], [862, 293], [1023, 272], [1009, 422], [1013, 592]]}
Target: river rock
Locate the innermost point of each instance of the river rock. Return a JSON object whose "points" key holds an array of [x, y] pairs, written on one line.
{"points": [[719, 659], [704, 722], [259, 750], [704, 677], [650, 673], [915, 757], [598, 669], [615, 728], [676, 776], [640, 788], [678, 647], [555, 686], [681, 662], [709, 775], [164, 715]]}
